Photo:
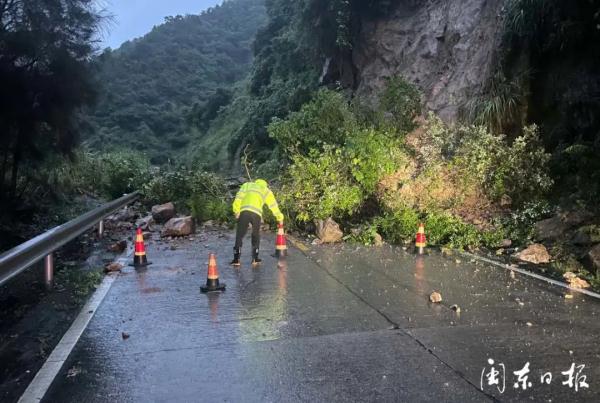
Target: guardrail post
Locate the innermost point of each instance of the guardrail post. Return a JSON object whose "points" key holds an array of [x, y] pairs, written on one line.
{"points": [[101, 229], [49, 270]]}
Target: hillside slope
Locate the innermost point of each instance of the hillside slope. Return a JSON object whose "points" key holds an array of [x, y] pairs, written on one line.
{"points": [[152, 87]]}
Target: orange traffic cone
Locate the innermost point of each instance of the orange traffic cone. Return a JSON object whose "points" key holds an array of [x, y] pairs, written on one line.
{"points": [[421, 241], [212, 278], [280, 246], [139, 258]]}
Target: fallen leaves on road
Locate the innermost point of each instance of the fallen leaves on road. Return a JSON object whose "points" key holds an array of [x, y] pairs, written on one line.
{"points": [[435, 297]]}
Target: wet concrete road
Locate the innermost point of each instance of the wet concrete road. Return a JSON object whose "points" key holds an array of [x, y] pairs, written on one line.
{"points": [[337, 324]]}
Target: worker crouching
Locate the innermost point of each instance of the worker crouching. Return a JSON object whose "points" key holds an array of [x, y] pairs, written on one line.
{"points": [[248, 208]]}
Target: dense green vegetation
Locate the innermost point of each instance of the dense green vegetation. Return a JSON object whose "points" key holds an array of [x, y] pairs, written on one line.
{"points": [[371, 173], [158, 91], [290, 54], [548, 74], [44, 79], [270, 83]]}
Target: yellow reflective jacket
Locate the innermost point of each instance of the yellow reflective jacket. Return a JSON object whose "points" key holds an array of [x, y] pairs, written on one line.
{"points": [[252, 197]]}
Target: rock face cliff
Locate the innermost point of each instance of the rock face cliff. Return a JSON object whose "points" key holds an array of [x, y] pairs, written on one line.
{"points": [[446, 47]]}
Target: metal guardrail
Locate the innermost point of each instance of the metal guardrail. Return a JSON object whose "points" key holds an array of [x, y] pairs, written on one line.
{"points": [[18, 259]]}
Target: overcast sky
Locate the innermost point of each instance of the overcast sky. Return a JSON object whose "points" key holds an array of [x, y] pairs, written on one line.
{"points": [[134, 18]]}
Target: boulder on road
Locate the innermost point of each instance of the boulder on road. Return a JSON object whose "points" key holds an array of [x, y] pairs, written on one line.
{"points": [[536, 254], [328, 231], [145, 223], [435, 297], [163, 212], [180, 226]]}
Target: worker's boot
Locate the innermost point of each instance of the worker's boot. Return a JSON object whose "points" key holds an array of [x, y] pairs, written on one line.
{"points": [[255, 259], [236, 257]]}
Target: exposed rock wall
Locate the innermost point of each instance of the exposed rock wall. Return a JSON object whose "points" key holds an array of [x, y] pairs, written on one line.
{"points": [[446, 47]]}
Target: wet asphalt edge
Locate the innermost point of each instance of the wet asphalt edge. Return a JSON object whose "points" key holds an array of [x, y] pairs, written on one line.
{"points": [[529, 274], [37, 388], [394, 326]]}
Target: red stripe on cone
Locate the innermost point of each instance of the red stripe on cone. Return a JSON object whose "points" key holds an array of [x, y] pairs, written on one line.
{"points": [[280, 242], [139, 258], [212, 276]]}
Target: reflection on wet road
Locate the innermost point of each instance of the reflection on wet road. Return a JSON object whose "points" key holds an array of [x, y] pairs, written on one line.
{"points": [[331, 324]]}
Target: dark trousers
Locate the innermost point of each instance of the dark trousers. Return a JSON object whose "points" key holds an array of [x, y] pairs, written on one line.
{"points": [[248, 218]]}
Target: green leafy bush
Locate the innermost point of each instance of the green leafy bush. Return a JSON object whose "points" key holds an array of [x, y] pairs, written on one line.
{"points": [[442, 229], [320, 186], [168, 186], [446, 229], [519, 223], [326, 119], [520, 169], [205, 207], [365, 234], [179, 185], [400, 104], [123, 172], [523, 173], [371, 155], [399, 226]]}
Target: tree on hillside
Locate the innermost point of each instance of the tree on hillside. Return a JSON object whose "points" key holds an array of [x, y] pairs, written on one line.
{"points": [[45, 46]]}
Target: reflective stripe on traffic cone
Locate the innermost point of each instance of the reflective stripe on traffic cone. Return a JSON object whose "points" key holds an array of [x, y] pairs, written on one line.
{"points": [[421, 241], [139, 258], [280, 245], [212, 277]]}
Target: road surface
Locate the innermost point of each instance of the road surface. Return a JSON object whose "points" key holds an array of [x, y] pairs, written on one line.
{"points": [[338, 323]]}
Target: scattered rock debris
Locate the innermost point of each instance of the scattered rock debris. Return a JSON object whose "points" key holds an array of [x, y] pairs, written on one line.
{"points": [[163, 213], [73, 372], [328, 231], [435, 297], [455, 308], [179, 227], [118, 247], [574, 281], [536, 254], [113, 267], [124, 335]]}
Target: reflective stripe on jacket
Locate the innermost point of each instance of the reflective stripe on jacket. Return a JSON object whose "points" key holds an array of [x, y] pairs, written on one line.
{"points": [[252, 197]]}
